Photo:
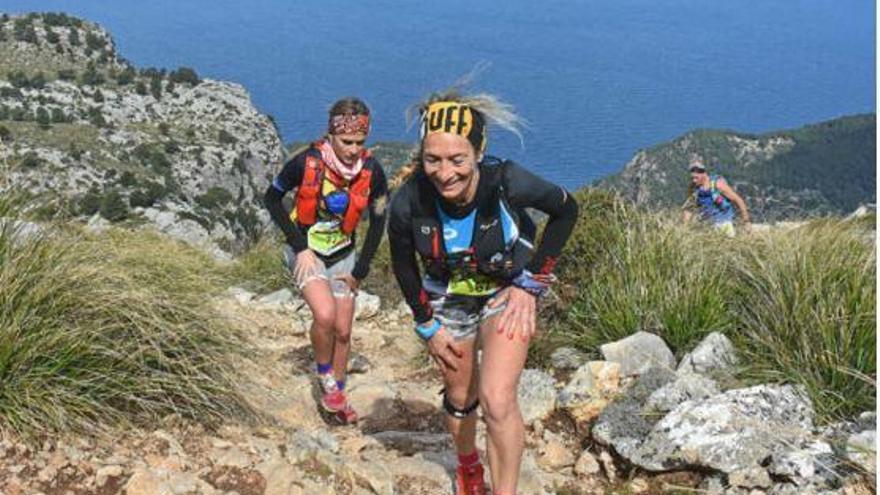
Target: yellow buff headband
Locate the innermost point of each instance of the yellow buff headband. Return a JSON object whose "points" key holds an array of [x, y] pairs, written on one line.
{"points": [[455, 118]]}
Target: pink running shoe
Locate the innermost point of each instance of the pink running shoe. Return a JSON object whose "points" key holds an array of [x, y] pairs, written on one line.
{"points": [[469, 480], [334, 401]]}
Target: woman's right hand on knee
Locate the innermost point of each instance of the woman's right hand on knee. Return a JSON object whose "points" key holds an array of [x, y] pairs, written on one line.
{"points": [[306, 265], [445, 351]]}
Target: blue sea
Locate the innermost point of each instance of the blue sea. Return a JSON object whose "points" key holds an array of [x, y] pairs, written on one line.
{"points": [[597, 79]]}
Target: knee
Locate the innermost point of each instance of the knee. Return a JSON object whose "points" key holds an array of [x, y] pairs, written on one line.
{"points": [[325, 317], [459, 397], [499, 405], [343, 334]]}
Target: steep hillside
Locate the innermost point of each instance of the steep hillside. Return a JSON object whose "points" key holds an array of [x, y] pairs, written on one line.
{"points": [[825, 168], [87, 132]]}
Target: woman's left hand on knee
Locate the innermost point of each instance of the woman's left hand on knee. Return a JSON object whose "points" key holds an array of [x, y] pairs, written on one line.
{"points": [[350, 281], [518, 314]]}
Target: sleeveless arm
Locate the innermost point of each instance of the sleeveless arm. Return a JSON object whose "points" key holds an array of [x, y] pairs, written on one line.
{"points": [[288, 179], [527, 190], [378, 209]]}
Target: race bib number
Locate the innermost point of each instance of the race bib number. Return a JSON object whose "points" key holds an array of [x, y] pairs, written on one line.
{"points": [[472, 285], [327, 238]]}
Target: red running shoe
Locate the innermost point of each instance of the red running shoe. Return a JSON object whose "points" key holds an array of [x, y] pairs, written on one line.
{"points": [[469, 480], [336, 402]]}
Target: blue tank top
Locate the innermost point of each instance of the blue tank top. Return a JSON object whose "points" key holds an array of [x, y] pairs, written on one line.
{"points": [[713, 206]]}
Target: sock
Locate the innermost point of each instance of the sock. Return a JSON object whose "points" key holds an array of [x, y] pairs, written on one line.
{"points": [[469, 460], [323, 369], [340, 384]]}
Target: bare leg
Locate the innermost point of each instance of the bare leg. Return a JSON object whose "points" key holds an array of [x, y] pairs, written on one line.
{"points": [[320, 300], [342, 341], [461, 391], [502, 364]]}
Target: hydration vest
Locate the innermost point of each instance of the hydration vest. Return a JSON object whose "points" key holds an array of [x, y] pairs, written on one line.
{"points": [[715, 206], [502, 242], [309, 193]]}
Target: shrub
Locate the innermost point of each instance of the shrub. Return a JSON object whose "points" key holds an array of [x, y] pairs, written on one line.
{"points": [[805, 305], [30, 160], [7, 92], [156, 87], [96, 117], [126, 76], [127, 179], [90, 202], [94, 42], [18, 79], [113, 207], [140, 88], [38, 81], [226, 138], [52, 36], [5, 134], [73, 37], [43, 119], [91, 76], [215, 197], [66, 74], [185, 75], [111, 332], [148, 196], [23, 30], [58, 116]]}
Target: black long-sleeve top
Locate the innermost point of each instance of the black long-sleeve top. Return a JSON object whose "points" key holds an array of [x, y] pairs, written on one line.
{"points": [[522, 188], [291, 176]]}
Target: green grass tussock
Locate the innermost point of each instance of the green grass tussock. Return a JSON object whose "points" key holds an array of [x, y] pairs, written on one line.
{"points": [[109, 332], [799, 303], [260, 269], [641, 273], [805, 305]]}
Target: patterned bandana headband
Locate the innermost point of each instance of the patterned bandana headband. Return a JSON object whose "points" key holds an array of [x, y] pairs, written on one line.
{"points": [[455, 118], [349, 124]]}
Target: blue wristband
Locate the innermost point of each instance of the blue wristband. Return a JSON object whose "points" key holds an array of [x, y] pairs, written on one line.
{"points": [[529, 283], [426, 332]]}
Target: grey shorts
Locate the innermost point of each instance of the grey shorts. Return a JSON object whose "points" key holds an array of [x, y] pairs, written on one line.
{"points": [[462, 315], [338, 287]]}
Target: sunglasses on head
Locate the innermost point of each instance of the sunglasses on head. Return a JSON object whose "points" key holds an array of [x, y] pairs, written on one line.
{"points": [[698, 170]]}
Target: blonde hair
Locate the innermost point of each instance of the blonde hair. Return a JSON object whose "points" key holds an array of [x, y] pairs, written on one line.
{"points": [[490, 108]]}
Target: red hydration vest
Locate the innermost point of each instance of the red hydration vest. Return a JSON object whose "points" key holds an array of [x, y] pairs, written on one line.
{"points": [[309, 192]]}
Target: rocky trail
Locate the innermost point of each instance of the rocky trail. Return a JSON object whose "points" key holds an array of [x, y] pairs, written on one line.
{"points": [[576, 442]]}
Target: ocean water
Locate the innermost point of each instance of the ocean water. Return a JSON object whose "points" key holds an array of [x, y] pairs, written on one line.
{"points": [[596, 79]]}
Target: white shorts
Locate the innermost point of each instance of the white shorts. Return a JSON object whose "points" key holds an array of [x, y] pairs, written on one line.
{"points": [[340, 267]]}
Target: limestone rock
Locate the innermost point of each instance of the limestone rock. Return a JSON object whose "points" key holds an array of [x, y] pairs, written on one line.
{"points": [[729, 432], [536, 395], [567, 358], [587, 465], [639, 352], [593, 380], [713, 355], [686, 387], [625, 424], [366, 305]]}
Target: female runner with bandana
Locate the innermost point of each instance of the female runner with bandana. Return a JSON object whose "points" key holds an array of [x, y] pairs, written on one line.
{"points": [[335, 180], [463, 213]]}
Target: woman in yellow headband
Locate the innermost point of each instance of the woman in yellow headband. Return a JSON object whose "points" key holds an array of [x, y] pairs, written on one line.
{"points": [[463, 213]]}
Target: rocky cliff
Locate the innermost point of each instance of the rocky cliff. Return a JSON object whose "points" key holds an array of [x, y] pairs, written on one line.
{"points": [[87, 133]]}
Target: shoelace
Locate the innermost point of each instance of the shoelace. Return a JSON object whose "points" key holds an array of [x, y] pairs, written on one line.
{"points": [[328, 383]]}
